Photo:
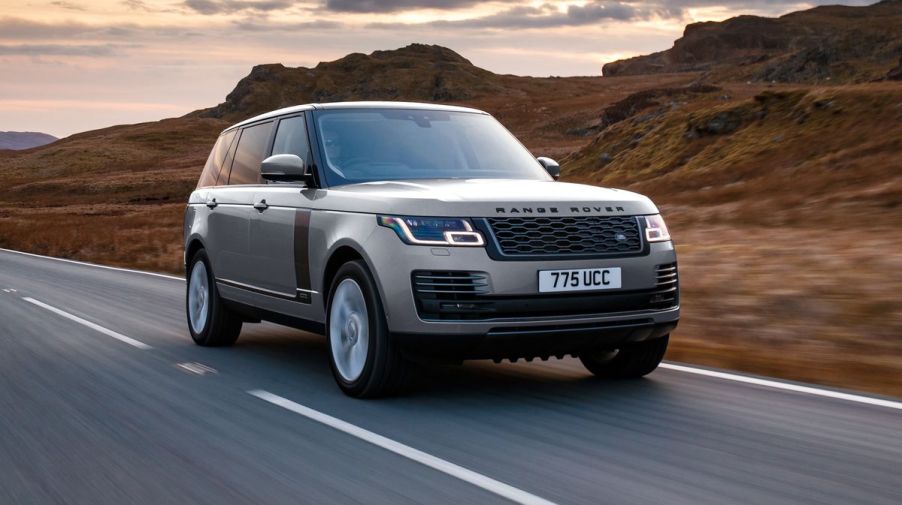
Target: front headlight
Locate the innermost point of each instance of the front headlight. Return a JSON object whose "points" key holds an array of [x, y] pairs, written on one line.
{"points": [[433, 231], [655, 229]]}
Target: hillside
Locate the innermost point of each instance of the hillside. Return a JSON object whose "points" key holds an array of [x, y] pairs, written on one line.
{"points": [[24, 140], [838, 43], [783, 198], [116, 195], [784, 204]]}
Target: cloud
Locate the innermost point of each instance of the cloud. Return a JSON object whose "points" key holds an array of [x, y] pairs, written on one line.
{"points": [[93, 50], [299, 27], [544, 16], [378, 6], [549, 15], [17, 28], [68, 6], [229, 6], [27, 30]]}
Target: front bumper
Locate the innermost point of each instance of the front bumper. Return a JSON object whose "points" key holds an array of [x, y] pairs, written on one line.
{"points": [[393, 263], [512, 342]]}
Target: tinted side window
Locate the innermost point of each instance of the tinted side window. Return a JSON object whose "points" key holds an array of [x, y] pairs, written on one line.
{"points": [[251, 149], [214, 162], [227, 164], [291, 138]]}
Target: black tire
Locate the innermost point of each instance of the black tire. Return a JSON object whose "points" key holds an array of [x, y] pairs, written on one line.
{"points": [[385, 370], [221, 325], [629, 362]]}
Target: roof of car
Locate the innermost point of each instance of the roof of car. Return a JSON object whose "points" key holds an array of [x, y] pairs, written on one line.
{"points": [[355, 105]]}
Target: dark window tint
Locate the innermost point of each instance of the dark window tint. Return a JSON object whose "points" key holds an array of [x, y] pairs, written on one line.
{"points": [[251, 149], [215, 161], [291, 138], [227, 164]]}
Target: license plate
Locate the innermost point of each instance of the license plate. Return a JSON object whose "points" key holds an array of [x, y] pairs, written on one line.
{"points": [[584, 279]]}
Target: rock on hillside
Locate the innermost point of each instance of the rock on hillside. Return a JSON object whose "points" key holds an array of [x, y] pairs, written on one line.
{"points": [[24, 140], [839, 43], [417, 72]]}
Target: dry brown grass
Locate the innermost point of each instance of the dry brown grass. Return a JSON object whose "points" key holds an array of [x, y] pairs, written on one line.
{"points": [[147, 237], [804, 303]]}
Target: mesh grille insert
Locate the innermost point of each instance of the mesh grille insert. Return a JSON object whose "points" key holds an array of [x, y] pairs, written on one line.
{"points": [[580, 235]]}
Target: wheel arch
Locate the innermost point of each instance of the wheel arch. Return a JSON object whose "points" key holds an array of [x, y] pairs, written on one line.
{"points": [[193, 245], [341, 254]]}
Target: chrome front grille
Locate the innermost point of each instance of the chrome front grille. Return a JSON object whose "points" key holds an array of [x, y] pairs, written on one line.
{"points": [[566, 236]]}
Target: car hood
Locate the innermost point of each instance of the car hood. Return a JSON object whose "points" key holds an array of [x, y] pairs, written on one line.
{"points": [[486, 198]]}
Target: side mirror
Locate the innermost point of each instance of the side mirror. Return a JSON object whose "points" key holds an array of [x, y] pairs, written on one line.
{"points": [[285, 167], [550, 166]]}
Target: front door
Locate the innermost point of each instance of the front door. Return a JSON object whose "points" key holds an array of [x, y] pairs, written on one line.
{"points": [[278, 235]]}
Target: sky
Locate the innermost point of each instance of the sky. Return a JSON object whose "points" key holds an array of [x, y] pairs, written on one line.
{"points": [[68, 66]]}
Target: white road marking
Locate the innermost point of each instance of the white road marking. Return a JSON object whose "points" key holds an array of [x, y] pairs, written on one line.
{"points": [[784, 386], [196, 368], [89, 324], [476, 479], [6, 291], [142, 272], [13, 290]]}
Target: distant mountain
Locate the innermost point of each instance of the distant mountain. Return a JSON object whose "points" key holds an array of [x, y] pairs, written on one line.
{"points": [[838, 43], [24, 140]]}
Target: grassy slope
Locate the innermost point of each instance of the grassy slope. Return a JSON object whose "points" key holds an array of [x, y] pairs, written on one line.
{"points": [[117, 195], [785, 222], [113, 196]]}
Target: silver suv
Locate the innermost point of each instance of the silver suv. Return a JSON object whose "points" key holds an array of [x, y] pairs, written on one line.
{"points": [[411, 232]]}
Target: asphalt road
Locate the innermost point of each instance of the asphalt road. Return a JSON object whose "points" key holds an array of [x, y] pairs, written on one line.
{"points": [[88, 417]]}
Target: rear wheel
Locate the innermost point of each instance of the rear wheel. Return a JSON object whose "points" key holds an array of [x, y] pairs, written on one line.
{"points": [[629, 362], [365, 362], [210, 322]]}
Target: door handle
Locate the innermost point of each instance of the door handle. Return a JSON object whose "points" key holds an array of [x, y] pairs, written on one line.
{"points": [[261, 205], [211, 203]]}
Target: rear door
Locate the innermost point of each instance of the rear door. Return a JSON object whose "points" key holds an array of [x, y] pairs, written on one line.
{"points": [[278, 234], [232, 207]]}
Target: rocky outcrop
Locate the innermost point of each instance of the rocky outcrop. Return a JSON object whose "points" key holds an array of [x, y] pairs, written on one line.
{"points": [[825, 43], [416, 72]]}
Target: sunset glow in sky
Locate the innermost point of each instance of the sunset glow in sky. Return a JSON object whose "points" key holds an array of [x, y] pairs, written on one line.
{"points": [[71, 66]]}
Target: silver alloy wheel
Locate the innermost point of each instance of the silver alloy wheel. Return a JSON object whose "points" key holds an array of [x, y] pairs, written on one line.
{"points": [[349, 329], [198, 297]]}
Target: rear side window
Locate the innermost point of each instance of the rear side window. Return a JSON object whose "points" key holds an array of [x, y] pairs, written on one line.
{"points": [[291, 138], [215, 161], [250, 153]]}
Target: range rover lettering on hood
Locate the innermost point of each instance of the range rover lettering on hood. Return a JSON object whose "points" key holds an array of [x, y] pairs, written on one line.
{"points": [[554, 210]]}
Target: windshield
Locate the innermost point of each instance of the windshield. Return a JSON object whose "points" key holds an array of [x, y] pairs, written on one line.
{"points": [[362, 145]]}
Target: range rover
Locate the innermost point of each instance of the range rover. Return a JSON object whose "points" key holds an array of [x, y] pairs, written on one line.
{"points": [[409, 232]]}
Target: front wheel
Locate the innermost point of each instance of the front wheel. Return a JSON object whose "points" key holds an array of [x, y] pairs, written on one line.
{"points": [[364, 359], [629, 362], [210, 322]]}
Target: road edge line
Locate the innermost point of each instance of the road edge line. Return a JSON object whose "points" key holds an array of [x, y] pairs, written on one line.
{"points": [[95, 265], [785, 386], [96, 327]]}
